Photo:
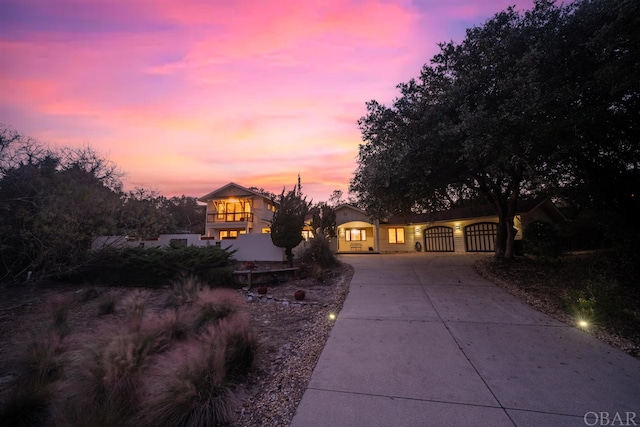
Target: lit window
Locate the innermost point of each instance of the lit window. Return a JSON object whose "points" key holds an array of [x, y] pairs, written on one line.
{"points": [[307, 234], [222, 209], [355, 234], [266, 230], [233, 211], [228, 234], [396, 235]]}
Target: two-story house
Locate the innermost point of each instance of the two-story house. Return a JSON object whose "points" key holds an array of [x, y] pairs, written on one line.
{"points": [[233, 210]]}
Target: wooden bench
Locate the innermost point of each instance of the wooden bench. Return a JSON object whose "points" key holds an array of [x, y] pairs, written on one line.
{"points": [[260, 277]]}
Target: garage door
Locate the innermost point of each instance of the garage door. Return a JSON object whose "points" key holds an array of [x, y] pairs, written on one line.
{"points": [[481, 237], [438, 239]]}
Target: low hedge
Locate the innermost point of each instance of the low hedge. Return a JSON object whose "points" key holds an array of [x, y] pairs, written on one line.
{"points": [[157, 267]]}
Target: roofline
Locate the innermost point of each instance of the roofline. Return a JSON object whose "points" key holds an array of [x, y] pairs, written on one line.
{"points": [[464, 214], [347, 205], [547, 200], [208, 196]]}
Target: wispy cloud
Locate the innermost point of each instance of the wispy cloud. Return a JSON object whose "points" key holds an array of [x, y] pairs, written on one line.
{"points": [[189, 95]]}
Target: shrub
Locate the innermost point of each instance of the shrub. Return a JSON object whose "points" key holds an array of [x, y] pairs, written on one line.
{"points": [[542, 239], [104, 414], [107, 306], [163, 332], [193, 394], [60, 313], [136, 305], [174, 327], [28, 405], [194, 389], [185, 290], [581, 305], [319, 252], [238, 343], [607, 295], [89, 294], [43, 364], [104, 390], [44, 358], [157, 267], [600, 298], [214, 305]]}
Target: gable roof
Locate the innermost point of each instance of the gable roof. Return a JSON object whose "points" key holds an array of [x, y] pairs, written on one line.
{"points": [[232, 190], [475, 211], [348, 206]]}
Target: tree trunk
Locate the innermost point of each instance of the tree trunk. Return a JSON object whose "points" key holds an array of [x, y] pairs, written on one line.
{"points": [[511, 231], [501, 236], [510, 243], [289, 253], [512, 204], [505, 238]]}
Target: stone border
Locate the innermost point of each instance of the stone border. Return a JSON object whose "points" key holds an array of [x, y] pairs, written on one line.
{"points": [[253, 297]]}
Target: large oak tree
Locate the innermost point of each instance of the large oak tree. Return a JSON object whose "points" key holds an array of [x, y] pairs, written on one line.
{"points": [[530, 103]]}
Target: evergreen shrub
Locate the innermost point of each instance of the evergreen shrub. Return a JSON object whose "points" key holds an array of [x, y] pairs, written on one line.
{"points": [[158, 267], [541, 239]]}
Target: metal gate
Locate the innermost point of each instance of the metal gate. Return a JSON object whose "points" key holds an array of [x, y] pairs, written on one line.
{"points": [[438, 239], [481, 237]]}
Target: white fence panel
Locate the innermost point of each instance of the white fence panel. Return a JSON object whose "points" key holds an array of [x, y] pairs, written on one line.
{"points": [[254, 247], [248, 247]]}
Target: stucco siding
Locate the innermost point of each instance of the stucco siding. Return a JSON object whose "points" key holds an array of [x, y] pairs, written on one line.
{"points": [[345, 245], [410, 239], [248, 247], [348, 214]]}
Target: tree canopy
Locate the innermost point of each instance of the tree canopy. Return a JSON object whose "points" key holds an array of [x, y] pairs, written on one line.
{"points": [[323, 220], [51, 206], [530, 103], [54, 202]]}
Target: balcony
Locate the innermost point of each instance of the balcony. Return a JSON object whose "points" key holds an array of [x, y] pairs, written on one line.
{"points": [[241, 217]]}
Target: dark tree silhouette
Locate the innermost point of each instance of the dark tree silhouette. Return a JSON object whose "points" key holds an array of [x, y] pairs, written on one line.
{"points": [[288, 220]]}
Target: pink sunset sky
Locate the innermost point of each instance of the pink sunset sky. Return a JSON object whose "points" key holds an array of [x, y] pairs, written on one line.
{"points": [[188, 95]]}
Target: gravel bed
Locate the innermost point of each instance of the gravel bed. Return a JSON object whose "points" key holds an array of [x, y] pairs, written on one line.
{"points": [[292, 338]]}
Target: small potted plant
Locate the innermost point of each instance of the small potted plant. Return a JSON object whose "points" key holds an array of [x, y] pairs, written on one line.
{"points": [[299, 295], [262, 290]]}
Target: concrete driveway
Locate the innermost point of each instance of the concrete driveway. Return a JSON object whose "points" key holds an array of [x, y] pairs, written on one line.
{"points": [[423, 340]]}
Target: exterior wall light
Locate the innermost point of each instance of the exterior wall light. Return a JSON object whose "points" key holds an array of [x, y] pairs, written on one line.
{"points": [[457, 226]]}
